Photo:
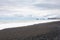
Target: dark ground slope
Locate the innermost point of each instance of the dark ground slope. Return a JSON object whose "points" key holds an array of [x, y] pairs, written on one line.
{"points": [[44, 31]]}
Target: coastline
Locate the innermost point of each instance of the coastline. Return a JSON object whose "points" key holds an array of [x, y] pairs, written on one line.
{"points": [[5, 25], [43, 31]]}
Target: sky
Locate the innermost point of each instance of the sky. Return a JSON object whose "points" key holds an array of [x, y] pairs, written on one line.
{"points": [[28, 9]]}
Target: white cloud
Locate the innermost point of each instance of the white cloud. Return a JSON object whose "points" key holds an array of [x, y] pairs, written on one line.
{"points": [[11, 10], [50, 1]]}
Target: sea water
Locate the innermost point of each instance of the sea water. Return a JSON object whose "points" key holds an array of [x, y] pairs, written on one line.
{"points": [[13, 24]]}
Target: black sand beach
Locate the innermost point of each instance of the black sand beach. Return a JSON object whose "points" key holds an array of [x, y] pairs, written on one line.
{"points": [[44, 31]]}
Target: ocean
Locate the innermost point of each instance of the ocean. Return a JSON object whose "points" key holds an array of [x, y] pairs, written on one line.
{"points": [[13, 24]]}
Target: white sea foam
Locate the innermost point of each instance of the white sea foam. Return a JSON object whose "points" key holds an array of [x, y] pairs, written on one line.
{"points": [[21, 24]]}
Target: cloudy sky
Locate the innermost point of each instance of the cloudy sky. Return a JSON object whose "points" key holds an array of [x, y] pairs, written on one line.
{"points": [[25, 9]]}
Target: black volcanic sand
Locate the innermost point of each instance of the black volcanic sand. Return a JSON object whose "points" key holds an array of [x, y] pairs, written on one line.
{"points": [[44, 31]]}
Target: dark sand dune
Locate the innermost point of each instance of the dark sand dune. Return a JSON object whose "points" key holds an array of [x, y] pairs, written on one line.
{"points": [[44, 31]]}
